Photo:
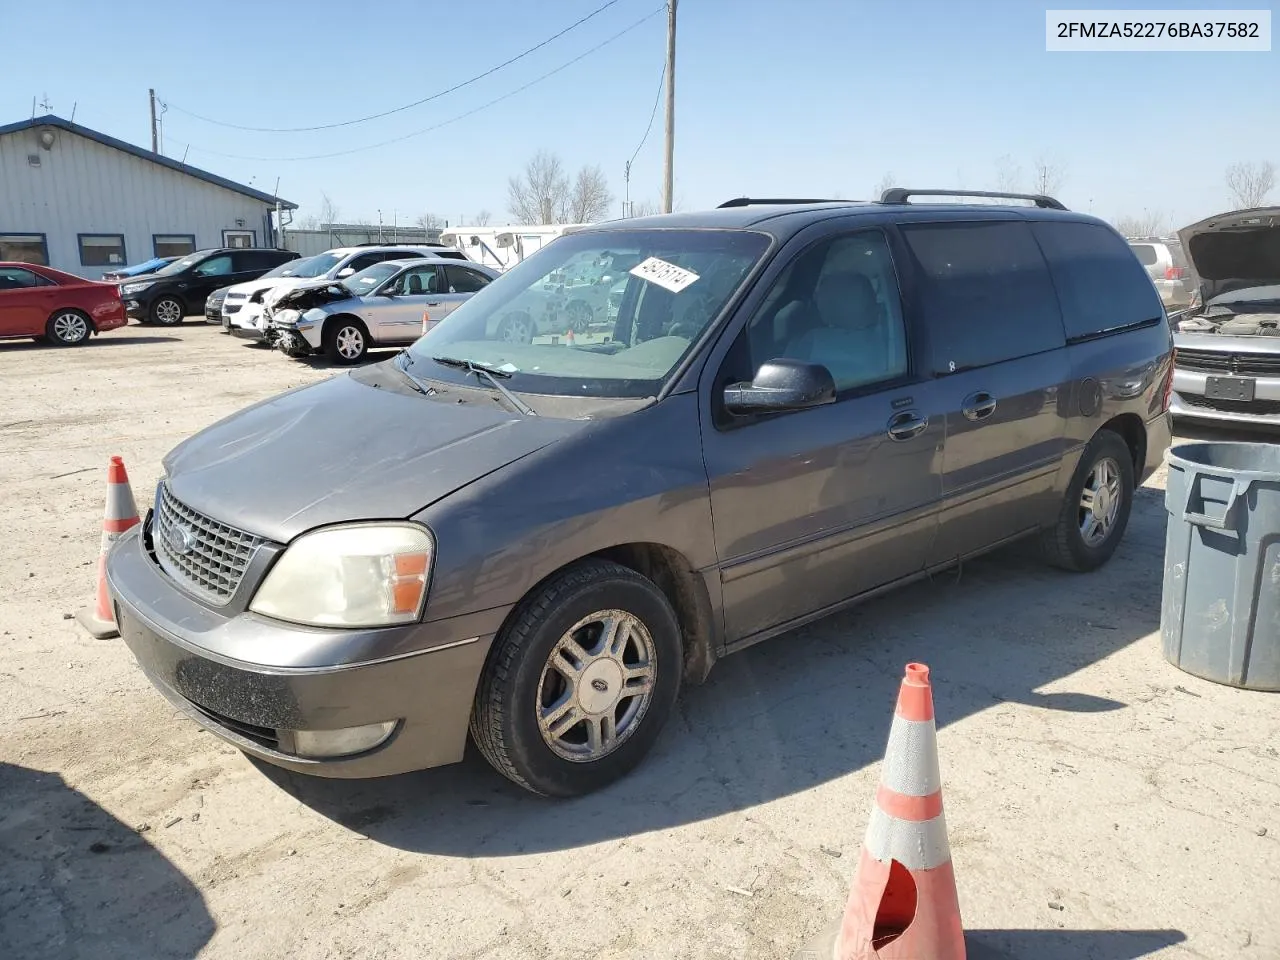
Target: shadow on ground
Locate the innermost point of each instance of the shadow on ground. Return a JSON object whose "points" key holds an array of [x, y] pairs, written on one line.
{"points": [[110, 337], [1036, 944], [78, 882], [799, 710]]}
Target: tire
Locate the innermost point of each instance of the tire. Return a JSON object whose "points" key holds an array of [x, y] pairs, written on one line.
{"points": [[168, 312], [68, 328], [346, 341], [516, 327], [579, 315], [521, 681], [1066, 545]]}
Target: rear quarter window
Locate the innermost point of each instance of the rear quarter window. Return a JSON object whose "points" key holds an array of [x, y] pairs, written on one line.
{"points": [[1100, 285], [1146, 253], [985, 291]]}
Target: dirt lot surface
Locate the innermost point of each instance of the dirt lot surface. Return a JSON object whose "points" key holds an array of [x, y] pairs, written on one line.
{"points": [[1101, 803]]}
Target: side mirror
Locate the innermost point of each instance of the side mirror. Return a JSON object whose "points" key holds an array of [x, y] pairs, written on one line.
{"points": [[782, 384], [388, 291], [345, 272]]}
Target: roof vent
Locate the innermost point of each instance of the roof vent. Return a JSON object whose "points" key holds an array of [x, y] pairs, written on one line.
{"points": [[33, 159]]}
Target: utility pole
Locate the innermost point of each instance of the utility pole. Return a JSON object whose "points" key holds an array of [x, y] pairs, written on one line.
{"points": [[155, 143], [668, 172]]}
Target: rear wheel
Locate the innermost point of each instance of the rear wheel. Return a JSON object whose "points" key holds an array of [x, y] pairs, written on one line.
{"points": [[1095, 509], [580, 681], [516, 327], [167, 312], [346, 340], [67, 328]]}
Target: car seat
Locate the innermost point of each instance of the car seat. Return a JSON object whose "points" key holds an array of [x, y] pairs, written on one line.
{"points": [[415, 284]]}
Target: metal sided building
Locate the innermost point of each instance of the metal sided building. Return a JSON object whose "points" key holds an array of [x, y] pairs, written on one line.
{"points": [[81, 201]]}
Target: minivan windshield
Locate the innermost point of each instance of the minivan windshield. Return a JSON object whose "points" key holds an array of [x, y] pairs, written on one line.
{"points": [[595, 314]]}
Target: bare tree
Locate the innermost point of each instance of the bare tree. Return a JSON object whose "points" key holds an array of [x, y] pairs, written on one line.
{"points": [[309, 222], [1150, 223], [1008, 175], [1049, 176], [328, 210], [430, 221], [886, 181], [644, 208], [482, 218], [538, 194], [1250, 183], [589, 198]]}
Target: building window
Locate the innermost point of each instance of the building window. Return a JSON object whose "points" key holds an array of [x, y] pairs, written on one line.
{"points": [[101, 249], [24, 248], [239, 239], [173, 244]]}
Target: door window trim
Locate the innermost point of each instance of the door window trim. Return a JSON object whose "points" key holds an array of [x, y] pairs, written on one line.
{"points": [[725, 422]]}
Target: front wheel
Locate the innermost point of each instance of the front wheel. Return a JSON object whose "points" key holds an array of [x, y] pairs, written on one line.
{"points": [[1095, 509], [167, 312], [346, 341], [67, 328], [580, 681]]}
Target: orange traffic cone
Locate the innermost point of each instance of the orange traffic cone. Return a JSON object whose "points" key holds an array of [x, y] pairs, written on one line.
{"points": [[121, 515], [426, 321], [568, 337], [903, 905]]}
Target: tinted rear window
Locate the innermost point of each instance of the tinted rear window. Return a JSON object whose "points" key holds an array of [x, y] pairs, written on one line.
{"points": [[1100, 285], [986, 293], [1146, 253]]}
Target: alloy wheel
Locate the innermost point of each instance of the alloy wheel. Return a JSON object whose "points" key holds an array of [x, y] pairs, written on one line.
{"points": [[1100, 502], [350, 342], [70, 327]]}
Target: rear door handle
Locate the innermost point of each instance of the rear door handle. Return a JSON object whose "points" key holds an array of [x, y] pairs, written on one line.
{"points": [[434, 303], [978, 406], [906, 425]]}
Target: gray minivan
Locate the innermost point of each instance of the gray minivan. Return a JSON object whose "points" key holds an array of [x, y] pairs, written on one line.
{"points": [[797, 405]]}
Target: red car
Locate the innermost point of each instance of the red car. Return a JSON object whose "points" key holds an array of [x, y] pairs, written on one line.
{"points": [[47, 304]]}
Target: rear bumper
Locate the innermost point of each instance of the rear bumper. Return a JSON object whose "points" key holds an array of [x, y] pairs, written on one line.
{"points": [[1159, 437], [424, 681]]}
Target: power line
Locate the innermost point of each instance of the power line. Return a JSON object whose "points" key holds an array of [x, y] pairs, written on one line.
{"points": [[656, 100], [407, 106], [444, 123]]}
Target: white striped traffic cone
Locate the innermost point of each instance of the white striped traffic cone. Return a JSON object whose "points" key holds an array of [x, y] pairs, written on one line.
{"points": [[121, 515], [903, 905]]}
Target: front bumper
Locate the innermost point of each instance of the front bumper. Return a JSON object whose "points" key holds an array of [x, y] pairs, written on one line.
{"points": [[1190, 403], [213, 312], [301, 337], [137, 309], [423, 676]]}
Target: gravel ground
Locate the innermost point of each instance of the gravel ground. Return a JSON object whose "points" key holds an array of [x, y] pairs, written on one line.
{"points": [[1101, 803]]}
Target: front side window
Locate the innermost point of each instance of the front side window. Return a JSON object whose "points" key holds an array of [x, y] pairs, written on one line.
{"points": [[985, 292], [101, 249], [1099, 284], [670, 286], [15, 278], [836, 304], [417, 281], [215, 266], [173, 244], [24, 248]]}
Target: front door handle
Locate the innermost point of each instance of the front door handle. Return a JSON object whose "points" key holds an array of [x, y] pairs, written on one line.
{"points": [[978, 406], [906, 425], [434, 303]]}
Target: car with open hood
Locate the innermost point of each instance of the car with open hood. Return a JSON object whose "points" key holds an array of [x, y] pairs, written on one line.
{"points": [[1228, 341], [798, 405], [388, 304]]}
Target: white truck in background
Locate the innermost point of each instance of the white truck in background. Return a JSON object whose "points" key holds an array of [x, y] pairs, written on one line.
{"points": [[503, 247]]}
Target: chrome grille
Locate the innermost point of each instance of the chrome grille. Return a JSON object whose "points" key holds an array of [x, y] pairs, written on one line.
{"points": [[207, 556], [1249, 364]]}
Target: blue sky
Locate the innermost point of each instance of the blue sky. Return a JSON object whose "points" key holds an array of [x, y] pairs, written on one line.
{"points": [[799, 98]]}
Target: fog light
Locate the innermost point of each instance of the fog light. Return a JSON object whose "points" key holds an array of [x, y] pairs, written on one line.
{"points": [[341, 743]]}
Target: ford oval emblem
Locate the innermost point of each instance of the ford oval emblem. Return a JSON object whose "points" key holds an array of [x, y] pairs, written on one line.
{"points": [[180, 539]]}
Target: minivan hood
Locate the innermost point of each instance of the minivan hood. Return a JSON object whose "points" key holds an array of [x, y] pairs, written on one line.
{"points": [[1234, 251], [354, 447]]}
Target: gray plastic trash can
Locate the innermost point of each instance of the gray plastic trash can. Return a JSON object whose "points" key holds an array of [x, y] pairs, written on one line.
{"points": [[1220, 617]]}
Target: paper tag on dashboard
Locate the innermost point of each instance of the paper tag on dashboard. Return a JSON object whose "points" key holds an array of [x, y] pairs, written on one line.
{"points": [[666, 275]]}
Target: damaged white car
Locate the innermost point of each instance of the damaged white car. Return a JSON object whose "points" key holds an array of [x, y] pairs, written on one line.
{"points": [[1228, 341]]}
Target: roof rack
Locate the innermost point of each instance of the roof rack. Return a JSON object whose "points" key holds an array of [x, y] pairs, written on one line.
{"points": [[900, 195], [759, 201], [399, 243]]}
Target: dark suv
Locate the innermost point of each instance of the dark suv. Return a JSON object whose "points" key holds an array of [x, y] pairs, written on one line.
{"points": [[181, 288], [797, 405]]}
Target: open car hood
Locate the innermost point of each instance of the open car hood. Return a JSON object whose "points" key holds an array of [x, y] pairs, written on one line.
{"points": [[1234, 251], [304, 296]]}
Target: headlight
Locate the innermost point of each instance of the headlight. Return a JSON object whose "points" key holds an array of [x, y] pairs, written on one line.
{"points": [[285, 316], [362, 575], [129, 289]]}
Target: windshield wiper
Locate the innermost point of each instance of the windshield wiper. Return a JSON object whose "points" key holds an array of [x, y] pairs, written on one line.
{"points": [[491, 374], [398, 365]]}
